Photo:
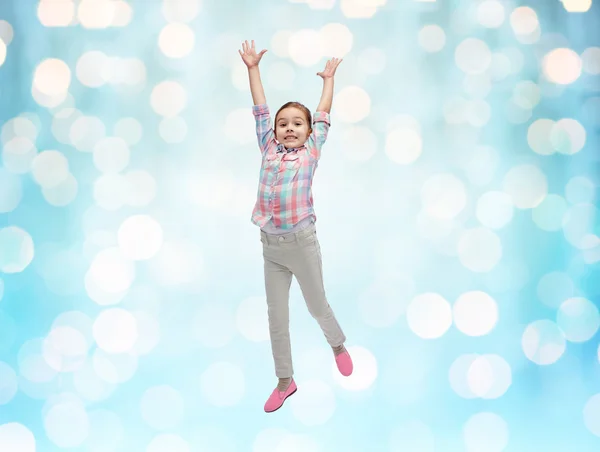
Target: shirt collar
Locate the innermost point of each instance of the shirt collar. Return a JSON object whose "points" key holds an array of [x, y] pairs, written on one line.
{"points": [[282, 148]]}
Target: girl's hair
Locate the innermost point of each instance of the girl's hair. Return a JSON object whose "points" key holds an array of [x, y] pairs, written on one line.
{"points": [[299, 106]]}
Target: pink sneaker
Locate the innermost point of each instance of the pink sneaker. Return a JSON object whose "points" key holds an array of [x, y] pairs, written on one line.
{"points": [[278, 397], [344, 363]]}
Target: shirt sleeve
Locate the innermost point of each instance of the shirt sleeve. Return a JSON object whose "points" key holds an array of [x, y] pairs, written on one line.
{"points": [[264, 129], [321, 124]]}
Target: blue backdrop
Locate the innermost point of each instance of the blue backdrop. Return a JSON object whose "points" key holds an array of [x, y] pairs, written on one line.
{"points": [[457, 211]]}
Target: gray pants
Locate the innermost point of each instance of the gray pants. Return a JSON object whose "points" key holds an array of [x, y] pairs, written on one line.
{"points": [[295, 254]]}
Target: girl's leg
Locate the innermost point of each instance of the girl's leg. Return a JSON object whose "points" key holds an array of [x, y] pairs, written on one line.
{"points": [[278, 280]]}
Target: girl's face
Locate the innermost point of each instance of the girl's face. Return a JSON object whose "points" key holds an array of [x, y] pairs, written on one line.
{"points": [[291, 127]]}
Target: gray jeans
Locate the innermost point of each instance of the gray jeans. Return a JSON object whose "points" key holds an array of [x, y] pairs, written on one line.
{"points": [[295, 254]]}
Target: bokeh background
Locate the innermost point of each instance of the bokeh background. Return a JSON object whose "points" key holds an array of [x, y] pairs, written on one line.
{"points": [[457, 212]]}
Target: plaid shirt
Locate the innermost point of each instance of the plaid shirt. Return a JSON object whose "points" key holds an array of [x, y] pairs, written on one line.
{"points": [[285, 183]]}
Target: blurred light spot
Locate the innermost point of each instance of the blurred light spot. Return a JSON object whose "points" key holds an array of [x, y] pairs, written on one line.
{"points": [[18, 155], [359, 143], [62, 122], [93, 69], [19, 126], [567, 136], [56, 14], [15, 437], [280, 75], [475, 313], [129, 129], [477, 85], [455, 109], [90, 385], [178, 262], [16, 249], [148, 333], [62, 194], [52, 78], [6, 32], [526, 185], [112, 271], [500, 67], [577, 6], [543, 342], [432, 38], [321, 4], [183, 11], [578, 318], [526, 94], [168, 99], [591, 60], [457, 375], [114, 368], [479, 249], [111, 191], [306, 47], [403, 145], [252, 320], [140, 237], [141, 188], [365, 370], [176, 40], [11, 191], [123, 14], [280, 43], [481, 165], [352, 104], [562, 66], [3, 52], [338, 40], [115, 330], [162, 407], [517, 114], [489, 376], [170, 442], [538, 136], [579, 223], [473, 56], [490, 13], [127, 71], [111, 155], [213, 325], [65, 349], [318, 407], [494, 209], [580, 190], [86, 131], [96, 13], [360, 9], [173, 130], [50, 168], [548, 215], [240, 126], [97, 293], [372, 60], [106, 430], [429, 315], [524, 20], [9, 386], [223, 384], [555, 287], [591, 415], [485, 432], [66, 424], [443, 196], [32, 365], [385, 300], [433, 228]]}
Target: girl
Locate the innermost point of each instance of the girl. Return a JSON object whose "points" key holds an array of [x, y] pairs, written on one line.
{"points": [[284, 212]]}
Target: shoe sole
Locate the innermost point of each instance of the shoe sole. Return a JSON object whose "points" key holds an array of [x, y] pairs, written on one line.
{"points": [[291, 394]]}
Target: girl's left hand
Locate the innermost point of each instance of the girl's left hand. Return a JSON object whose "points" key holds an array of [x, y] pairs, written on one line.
{"points": [[330, 68]]}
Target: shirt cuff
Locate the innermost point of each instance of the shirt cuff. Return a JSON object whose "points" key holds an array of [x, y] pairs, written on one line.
{"points": [[261, 109], [322, 116]]}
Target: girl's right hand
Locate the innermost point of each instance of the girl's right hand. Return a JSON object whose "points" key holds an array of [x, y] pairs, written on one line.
{"points": [[250, 57]]}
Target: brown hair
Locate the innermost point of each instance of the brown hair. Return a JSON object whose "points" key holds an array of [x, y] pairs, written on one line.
{"points": [[300, 107]]}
